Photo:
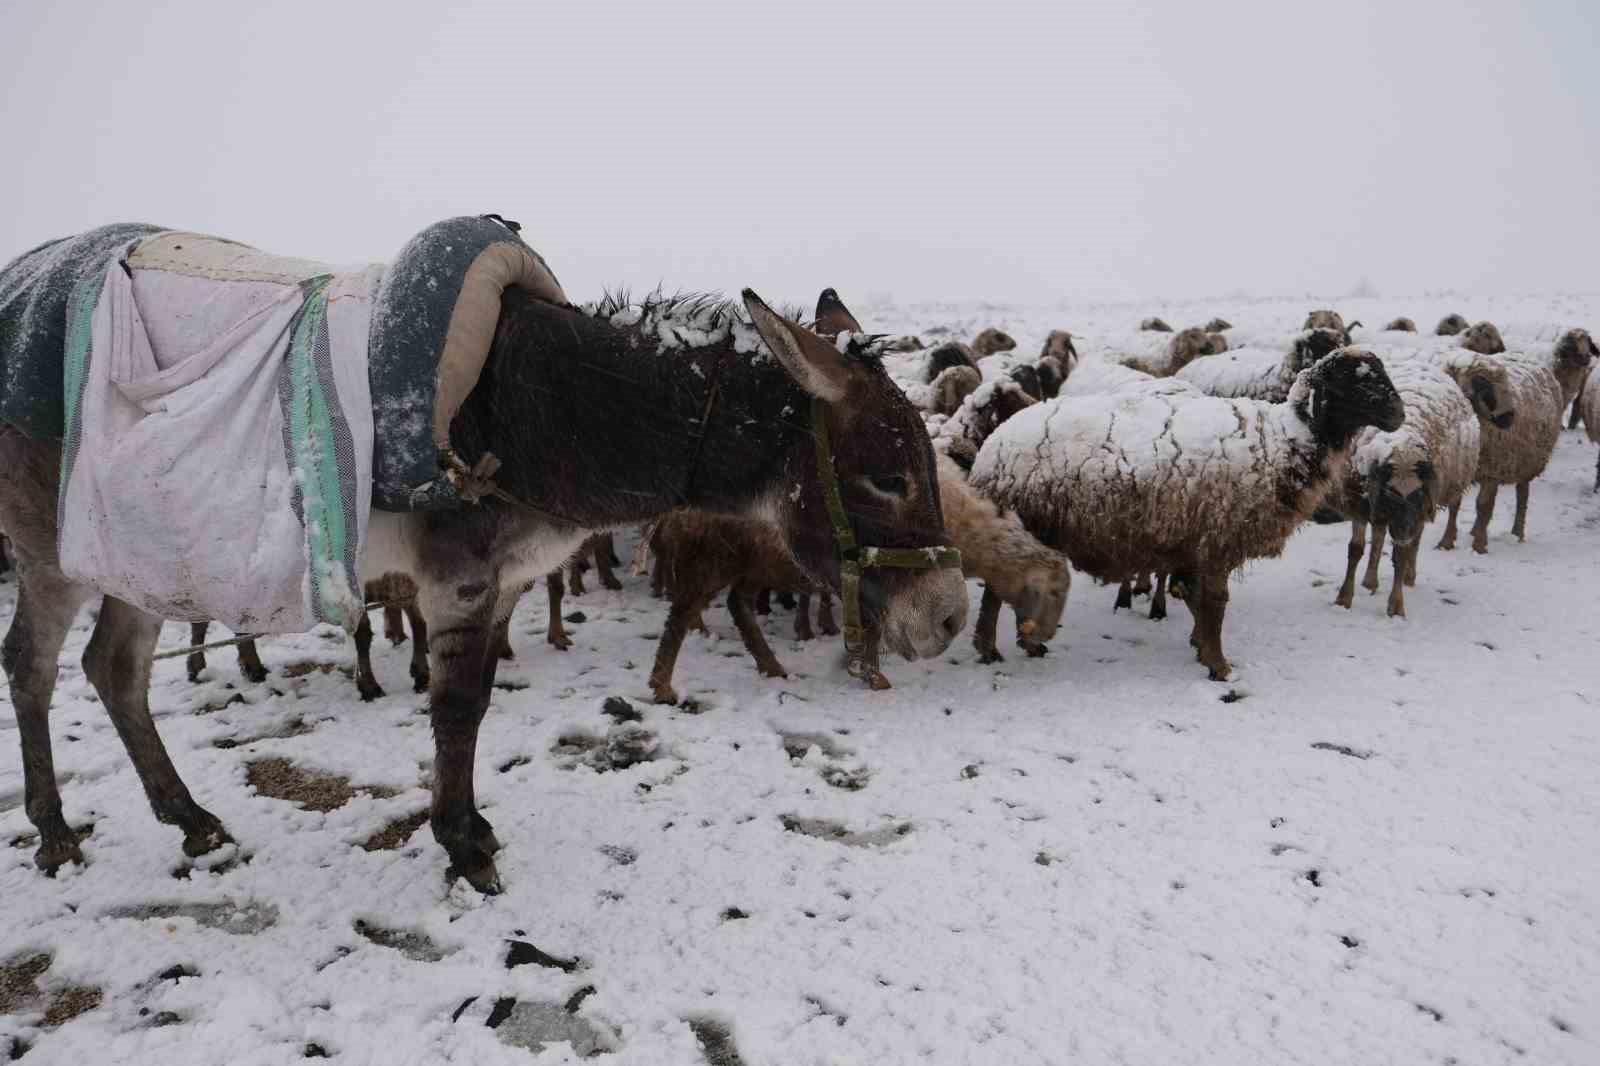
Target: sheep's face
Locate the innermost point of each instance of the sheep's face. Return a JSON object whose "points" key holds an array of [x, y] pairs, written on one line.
{"points": [[1576, 350], [1402, 493], [1058, 346], [1483, 338], [1312, 345], [1449, 326], [1346, 392], [1155, 325], [1324, 320], [1039, 604], [1191, 344], [884, 466], [907, 343], [1052, 375], [953, 386], [991, 341], [944, 356], [1490, 393], [1027, 379], [1401, 325]]}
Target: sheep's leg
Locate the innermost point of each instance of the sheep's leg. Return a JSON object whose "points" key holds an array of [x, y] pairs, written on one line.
{"points": [[196, 662], [763, 604], [825, 623], [786, 599], [1353, 553], [46, 605], [755, 641], [1576, 416], [658, 580], [1124, 597], [394, 630], [366, 683], [683, 611], [605, 557], [1403, 553], [1480, 526], [1142, 586], [874, 662], [1448, 541], [1379, 531], [575, 568], [1158, 600], [117, 662], [802, 618], [1214, 587], [1520, 526], [420, 674], [983, 633], [556, 632]]}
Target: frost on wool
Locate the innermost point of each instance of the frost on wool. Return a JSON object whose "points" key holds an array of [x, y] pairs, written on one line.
{"points": [[1441, 428]]}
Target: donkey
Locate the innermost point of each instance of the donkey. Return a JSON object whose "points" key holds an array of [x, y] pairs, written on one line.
{"points": [[718, 422]]}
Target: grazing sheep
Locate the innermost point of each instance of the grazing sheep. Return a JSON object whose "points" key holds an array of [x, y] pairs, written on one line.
{"points": [[1218, 325], [1397, 479], [1191, 485], [908, 343], [1401, 325], [945, 356], [1483, 338], [991, 404], [1256, 373], [1571, 361], [1329, 320], [1052, 375], [991, 342], [953, 386], [1449, 326], [1154, 325], [1058, 345], [1589, 407], [1169, 358]]}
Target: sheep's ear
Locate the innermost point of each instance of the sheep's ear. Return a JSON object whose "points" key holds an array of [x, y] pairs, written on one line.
{"points": [[833, 317], [814, 363]]}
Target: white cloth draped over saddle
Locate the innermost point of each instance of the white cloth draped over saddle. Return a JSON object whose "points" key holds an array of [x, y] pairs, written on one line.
{"points": [[217, 461]]}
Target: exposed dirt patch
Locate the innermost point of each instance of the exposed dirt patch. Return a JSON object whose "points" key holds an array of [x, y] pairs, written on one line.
{"points": [[408, 942], [305, 668], [313, 790], [849, 778], [19, 981], [396, 832], [67, 1003]]}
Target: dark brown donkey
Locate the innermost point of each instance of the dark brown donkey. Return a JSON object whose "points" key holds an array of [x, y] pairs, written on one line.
{"points": [[600, 423]]}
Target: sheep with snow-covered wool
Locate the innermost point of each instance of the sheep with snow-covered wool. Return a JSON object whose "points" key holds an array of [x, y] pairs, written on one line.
{"points": [[1167, 359], [1027, 378], [1192, 485], [1589, 408], [991, 342], [951, 387], [1333, 320], [907, 343], [1256, 373], [987, 407], [1218, 325], [1571, 361], [1483, 338], [1154, 325], [1398, 479], [1056, 360], [1400, 325], [942, 357], [1450, 325]]}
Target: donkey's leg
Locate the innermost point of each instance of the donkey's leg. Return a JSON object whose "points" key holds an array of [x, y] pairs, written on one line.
{"points": [[117, 663], [556, 632], [196, 662], [1480, 525], [250, 664], [1142, 586], [605, 557], [802, 617], [1158, 601], [1124, 597], [1379, 531], [420, 674], [684, 610], [1520, 526], [825, 623], [575, 568], [366, 683], [1448, 541], [763, 603], [393, 629], [1353, 553], [983, 637], [754, 640], [46, 605]]}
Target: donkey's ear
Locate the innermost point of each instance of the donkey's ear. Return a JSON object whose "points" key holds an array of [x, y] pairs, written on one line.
{"points": [[810, 360], [833, 317]]}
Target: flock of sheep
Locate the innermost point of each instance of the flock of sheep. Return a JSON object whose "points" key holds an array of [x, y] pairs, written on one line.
{"points": [[1163, 465]]}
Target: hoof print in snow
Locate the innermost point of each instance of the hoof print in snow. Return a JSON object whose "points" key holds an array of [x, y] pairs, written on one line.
{"points": [[1233, 695], [1312, 877], [1433, 1012], [396, 832], [233, 860], [851, 780], [414, 945], [1561, 1024], [827, 829], [314, 1051], [512, 763], [620, 710], [796, 745], [1342, 749], [239, 919], [522, 953], [1350, 942], [735, 914], [716, 1042], [1044, 858], [969, 771], [820, 1009], [535, 1024], [618, 854], [624, 745]]}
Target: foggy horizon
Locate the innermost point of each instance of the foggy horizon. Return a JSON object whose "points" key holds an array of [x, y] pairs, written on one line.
{"points": [[1157, 151]]}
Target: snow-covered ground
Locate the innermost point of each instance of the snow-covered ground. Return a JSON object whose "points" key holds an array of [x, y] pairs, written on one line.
{"points": [[1379, 843]]}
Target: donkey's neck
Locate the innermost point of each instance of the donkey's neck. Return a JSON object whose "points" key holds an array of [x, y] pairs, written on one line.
{"points": [[594, 424]]}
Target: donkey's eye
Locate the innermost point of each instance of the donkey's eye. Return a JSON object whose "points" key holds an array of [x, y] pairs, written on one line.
{"points": [[888, 484]]}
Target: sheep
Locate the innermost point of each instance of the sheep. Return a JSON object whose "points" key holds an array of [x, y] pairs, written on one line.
{"points": [[1571, 362], [908, 343], [1589, 406], [1177, 353], [1397, 480], [1329, 320], [1400, 325], [1191, 485], [602, 549], [1449, 326], [1154, 325], [1259, 374], [1055, 362], [1027, 379], [944, 356], [963, 433], [953, 386], [991, 342], [1483, 338], [1218, 325]]}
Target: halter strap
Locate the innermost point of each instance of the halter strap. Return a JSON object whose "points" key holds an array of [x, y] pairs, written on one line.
{"points": [[854, 559]]}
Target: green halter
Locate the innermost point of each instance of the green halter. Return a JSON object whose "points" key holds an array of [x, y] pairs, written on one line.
{"points": [[853, 559]]}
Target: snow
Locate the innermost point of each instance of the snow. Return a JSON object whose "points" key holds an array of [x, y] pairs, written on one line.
{"points": [[1379, 843]]}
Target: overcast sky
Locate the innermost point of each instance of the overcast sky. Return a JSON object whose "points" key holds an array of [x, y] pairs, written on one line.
{"points": [[1013, 152]]}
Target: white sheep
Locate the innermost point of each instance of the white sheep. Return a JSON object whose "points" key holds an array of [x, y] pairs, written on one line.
{"points": [[1138, 481], [1589, 410], [1160, 357], [1259, 373]]}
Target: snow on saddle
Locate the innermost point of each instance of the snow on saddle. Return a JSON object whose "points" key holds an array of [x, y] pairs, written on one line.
{"points": [[229, 418]]}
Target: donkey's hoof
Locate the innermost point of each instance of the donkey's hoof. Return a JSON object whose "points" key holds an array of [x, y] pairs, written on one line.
{"points": [[254, 674], [1158, 612], [55, 852], [506, 654], [480, 874], [990, 655], [205, 835], [1220, 671], [560, 641], [663, 693], [483, 837], [1036, 650], [877, 682], [369, 688]]}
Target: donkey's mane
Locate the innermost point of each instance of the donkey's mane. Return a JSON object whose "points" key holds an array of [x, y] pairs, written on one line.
{"points": [[697, 319]]}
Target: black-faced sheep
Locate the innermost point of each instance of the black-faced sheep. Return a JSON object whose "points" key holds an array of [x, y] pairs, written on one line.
{"points": [[1400, 325], [1192, 485], [1450, 325], [991, 342], [1397, 479], [1027, 378], [1325, 319], [1055, 363], [1164, 360], [1256, 373], [1155, 325], [980, 413]]}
